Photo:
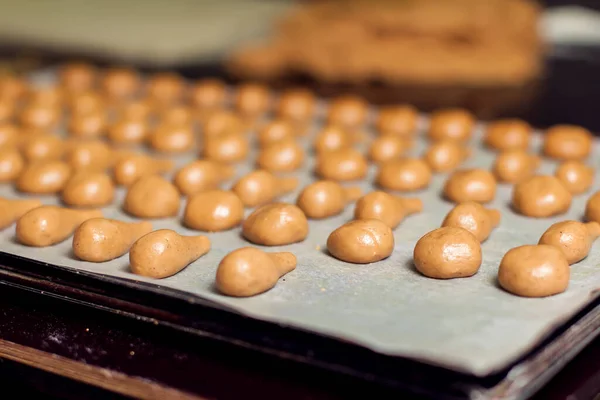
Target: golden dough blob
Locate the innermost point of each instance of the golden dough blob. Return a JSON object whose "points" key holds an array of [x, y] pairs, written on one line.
{"points": [[260, 187], [470, 185], [388, 147], [361, 241], [101, 239], [541, 196], [573, 238], [49, 96], [152, 196], [332, 138], [128, 131], [249, 271], [7, 110], [446, 155], [405, 174], [13, 87], [47, 225], [397, 121], [275, 224], [44, 177], [296, 105], [86, 102], [89, 189], [94, 155], [345, 164], [252, 99], [164, 253], [275, 131], [40, 117], [12, 164], [13, 209], [120, 83], [474, 217], [10, 135], [592, 208], [221, 122], [451, 124], [567, 142], [534, 271], [349, 112], [201, 175], [165, 88], [513, 166], [213, 211], [92, 124], [77, 77], [140, 109], [448, 252], [177, 115], [507, 134], [208, 94], [576, 176], [172, 138], [42, 147], [227, 148], [282, 156], [130, 168], [386, 207], [324, 199]]}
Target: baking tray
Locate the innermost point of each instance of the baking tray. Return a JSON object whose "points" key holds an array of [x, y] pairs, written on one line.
{"points": [[468, 326]]}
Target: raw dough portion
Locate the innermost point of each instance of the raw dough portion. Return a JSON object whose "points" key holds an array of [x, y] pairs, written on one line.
{"points": [[516, 165], [574, 238], [324, 199], [260, 187], [576, 176], [213, 211], [164, 252], [47, 225], [386, 207], [470, 185], [451, 124], [534, 271], [508, 134], [248, 271], [406, 174], [101, 239], [12, 209], [541, 196], [474, 217], [567, 142], [361, 241], [448, 252], [152, 197], [276, 224]]}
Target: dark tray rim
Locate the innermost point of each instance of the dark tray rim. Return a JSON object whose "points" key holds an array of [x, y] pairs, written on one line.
{"points": [[179, 310]]}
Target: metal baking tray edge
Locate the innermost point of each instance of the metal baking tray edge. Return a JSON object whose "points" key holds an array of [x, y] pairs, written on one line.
{"points": [[181, 311]]}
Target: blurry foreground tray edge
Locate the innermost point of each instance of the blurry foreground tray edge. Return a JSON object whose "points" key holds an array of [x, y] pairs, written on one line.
{"points": [[519, 381], [89, 374]]}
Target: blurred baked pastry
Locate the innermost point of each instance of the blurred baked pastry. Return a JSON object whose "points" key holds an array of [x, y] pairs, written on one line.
{"points": [[464, 42]]}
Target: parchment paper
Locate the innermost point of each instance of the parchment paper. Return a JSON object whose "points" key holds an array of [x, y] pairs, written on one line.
{"points": [[469, 325]]}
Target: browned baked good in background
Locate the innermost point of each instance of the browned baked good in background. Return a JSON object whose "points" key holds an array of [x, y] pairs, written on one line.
{"points": [[449, 43], [427, 41]]}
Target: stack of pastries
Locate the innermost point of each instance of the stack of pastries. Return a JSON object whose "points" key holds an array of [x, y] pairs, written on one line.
{"points": [[424, 43]]}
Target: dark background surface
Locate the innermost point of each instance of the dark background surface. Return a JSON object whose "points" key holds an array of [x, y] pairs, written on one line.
{"points": [[570, 92], [593, 4]]}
